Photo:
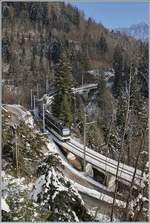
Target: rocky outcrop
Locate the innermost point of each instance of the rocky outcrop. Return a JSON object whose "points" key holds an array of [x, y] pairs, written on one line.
{"points": [[74, 161]]}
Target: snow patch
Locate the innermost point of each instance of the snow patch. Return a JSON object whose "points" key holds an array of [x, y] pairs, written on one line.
{"points": [[4, 205], [51, 146], [71, 156], [37, 188], [12, 185], [98, 195], [21, 114]]}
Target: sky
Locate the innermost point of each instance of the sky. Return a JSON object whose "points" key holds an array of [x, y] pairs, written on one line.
{"points": [[115, 14]]}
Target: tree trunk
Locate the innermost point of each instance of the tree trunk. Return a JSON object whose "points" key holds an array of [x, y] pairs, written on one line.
{"points": [[136, 163], [17, 166], [129, 154], [121, 149]]}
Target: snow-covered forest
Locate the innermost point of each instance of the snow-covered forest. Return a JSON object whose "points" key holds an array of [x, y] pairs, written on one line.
{"points": [[74, 117]]}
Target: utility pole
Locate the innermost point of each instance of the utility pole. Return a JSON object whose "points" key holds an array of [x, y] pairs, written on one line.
{"points": [[47, 84], [43, 117], [31, 93], [74, 108], [34, 102], [84, 140], [37, 89], [33, 97], [17, 166], [122, 146], [82, 79]]}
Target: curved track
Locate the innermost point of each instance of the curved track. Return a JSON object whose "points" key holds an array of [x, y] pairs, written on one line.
{"points": [[101, 162]]}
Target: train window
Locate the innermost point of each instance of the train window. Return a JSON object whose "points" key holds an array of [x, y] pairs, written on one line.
{"points": [[66, 131]]}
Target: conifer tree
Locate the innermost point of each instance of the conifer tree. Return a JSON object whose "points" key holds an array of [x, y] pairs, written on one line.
{"points": [[101, 90], [118, 68], [62, 103], [143, 69], [102, 45]]}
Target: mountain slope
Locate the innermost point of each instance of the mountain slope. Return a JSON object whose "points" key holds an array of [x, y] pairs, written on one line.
{"points": [[138, 31]]}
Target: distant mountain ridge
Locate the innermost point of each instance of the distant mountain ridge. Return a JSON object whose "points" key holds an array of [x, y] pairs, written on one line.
{"points": [[138, 31]]}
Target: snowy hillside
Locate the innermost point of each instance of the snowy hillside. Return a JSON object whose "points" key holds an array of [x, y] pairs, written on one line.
{"points": [[32, 181]]}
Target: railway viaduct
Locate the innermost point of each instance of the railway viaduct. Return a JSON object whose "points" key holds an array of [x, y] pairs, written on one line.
{"points": [[102, 163]]}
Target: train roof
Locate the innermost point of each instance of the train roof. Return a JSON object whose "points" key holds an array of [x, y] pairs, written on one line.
{"points": [[56, 120]]}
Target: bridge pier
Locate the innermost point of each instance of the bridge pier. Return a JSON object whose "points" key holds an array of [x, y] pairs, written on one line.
{"points": [[89, 170], [105, 178], [98, 167], [110, 182]]}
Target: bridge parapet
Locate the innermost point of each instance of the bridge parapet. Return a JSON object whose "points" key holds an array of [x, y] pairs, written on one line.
{"points": [[84, 88], [106, 165]]}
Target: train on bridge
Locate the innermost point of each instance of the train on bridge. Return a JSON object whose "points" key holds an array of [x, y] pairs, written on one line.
{"points": [[104, 164]]}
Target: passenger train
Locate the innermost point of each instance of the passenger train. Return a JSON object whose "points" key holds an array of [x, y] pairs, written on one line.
{"points": [[56, 126]]}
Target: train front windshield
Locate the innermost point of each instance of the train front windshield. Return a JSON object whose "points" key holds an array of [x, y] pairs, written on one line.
{"points": [[66, 131]]}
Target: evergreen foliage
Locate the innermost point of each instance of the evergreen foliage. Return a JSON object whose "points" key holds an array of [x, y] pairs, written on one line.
{"points": [[62, 103], [101, 91], [118, 68], [57, 198], [102, 45], [143, 69], [31, 48], [34, 39]]}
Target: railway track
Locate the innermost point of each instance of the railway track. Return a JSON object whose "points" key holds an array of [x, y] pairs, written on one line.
{"points": [[101, 162]]}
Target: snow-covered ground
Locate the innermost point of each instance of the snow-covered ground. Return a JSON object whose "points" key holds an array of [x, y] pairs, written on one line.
{"points": [[19, 113], [4, 205], [98, 195], [101, 217], [11, 186], [92, 106]]}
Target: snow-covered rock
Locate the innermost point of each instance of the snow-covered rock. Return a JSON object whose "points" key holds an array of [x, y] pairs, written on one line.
{"points": [[19, 113], [4, 205], [56, 195], [98, 195], [71, 156], [74, 161]]}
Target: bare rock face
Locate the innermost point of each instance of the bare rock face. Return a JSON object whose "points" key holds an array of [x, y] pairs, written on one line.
{"points": [[74, 161], [89, 170]]}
